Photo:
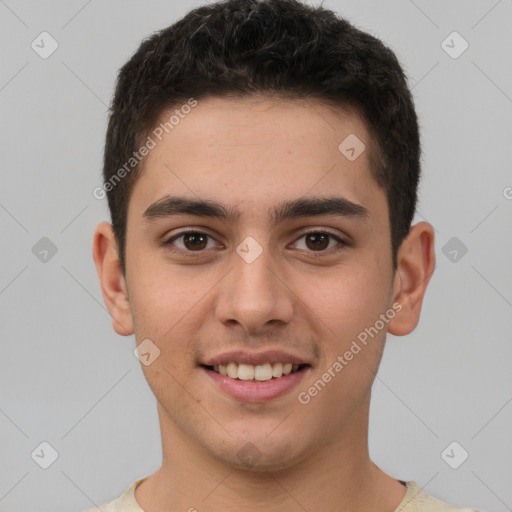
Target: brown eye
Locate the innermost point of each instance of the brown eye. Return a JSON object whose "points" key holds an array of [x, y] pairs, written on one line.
{"points": [[191, 241], [194, 241], [317, 241]]}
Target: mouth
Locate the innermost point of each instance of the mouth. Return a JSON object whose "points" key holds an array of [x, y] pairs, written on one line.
{"points": [[256, 373], [256, 383]]}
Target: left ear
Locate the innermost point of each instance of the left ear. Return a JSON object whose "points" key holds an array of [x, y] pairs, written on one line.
{"points": [[415, 265]]}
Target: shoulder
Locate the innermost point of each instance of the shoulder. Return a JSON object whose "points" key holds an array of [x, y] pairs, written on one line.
{"points": [[125, 503], [416, 500]]}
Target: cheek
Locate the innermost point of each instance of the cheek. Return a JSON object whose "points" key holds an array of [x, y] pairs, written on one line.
{"points": [[346, 301], [162, 299], [168, 307], [344, 308]]}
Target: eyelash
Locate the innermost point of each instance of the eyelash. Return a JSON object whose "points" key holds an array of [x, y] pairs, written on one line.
{"points": [[342, 243]]}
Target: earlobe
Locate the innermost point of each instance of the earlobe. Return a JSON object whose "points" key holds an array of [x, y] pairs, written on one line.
{"points": [[415, 265], [112, 281]]}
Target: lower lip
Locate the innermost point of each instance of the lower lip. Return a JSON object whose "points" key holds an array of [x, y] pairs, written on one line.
{"points": [[257, 391]]}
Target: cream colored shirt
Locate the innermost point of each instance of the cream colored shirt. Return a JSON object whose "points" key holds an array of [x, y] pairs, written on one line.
{"points": [[415, 500]]}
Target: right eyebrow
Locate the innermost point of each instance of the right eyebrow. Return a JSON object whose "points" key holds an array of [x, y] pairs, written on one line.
{"points": [[173, 205]]}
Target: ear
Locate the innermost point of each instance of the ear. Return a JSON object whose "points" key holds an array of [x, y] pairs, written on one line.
{"points": [[415, 265], [112, 281]]}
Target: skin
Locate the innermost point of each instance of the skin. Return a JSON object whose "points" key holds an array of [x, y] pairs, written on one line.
{"points": [[251, 154]]}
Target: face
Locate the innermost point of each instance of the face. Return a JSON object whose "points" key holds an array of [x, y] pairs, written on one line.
{"points": [[270, 273]]}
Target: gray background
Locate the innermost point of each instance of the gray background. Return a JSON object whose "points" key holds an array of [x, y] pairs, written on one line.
{"points": [[66, 378]]}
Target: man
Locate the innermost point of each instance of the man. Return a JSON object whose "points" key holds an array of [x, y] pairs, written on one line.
{"points": [[261, 166]]}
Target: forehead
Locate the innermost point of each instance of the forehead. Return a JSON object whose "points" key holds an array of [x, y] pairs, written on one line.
{"points": [[258, 150]]}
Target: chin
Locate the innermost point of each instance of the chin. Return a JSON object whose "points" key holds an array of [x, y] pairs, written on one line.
{"points": [[265, 463], [260, 455]]}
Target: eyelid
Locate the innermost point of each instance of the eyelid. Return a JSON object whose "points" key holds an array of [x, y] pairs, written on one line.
{"points": [[325, 231]]}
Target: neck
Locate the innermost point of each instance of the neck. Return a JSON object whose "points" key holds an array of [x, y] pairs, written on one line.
{"points": [[338, 475]]}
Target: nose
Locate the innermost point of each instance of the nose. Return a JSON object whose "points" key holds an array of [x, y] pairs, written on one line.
{"points": [[254, 295]]}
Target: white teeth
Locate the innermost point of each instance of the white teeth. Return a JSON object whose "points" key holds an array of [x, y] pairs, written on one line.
{"points": [[260, 372], [245, 372], [232, 370], [263, 372], [277, 369]]}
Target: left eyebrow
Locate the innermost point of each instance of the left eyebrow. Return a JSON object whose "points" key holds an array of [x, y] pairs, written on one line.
{"points": [[169, 206], [316, 206]]}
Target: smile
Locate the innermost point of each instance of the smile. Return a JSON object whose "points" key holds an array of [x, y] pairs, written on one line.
{"points": [[256, 383], [261, 372]]}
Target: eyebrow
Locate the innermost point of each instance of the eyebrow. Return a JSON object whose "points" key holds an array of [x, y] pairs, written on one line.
{"points": [[169, 206]]}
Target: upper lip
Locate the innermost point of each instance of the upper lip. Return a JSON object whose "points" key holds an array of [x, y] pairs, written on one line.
{"points": [[254, 358]]}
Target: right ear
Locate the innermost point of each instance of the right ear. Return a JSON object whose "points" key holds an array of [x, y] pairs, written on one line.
{"points": [[112, 281]]}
